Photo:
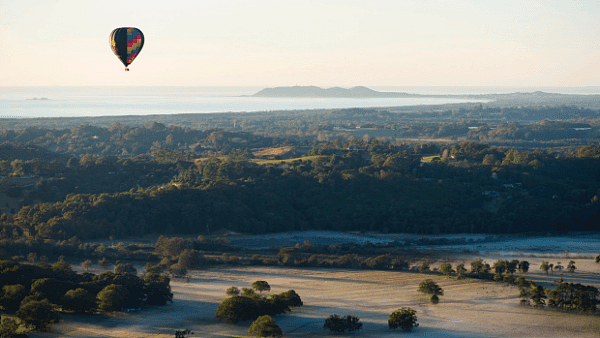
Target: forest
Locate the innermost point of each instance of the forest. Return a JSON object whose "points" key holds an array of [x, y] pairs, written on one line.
{"points": [[477, 169], [356, 185]]}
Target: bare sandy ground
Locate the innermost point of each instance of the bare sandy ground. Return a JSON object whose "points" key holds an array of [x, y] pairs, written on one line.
{"points": [[468, 308]]}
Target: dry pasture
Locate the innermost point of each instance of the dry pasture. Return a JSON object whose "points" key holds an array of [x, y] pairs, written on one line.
{"points": [[469, 308]]}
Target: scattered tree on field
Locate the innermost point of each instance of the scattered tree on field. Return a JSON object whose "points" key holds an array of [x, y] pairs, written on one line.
{"points": [[571, 267], [404, 318], [169, 247], [62, 267], [87, 264], [158, 290], [112, 298], [264, 326], [261, 286], [500, 267], [32, 257], [149, 268], [177, 270], [125, 268], [429, 287], [103, 263], [44, 259], [460, 271], [479, 267], [545, 267], [511, 267], [236, 308], [191, 259], [228, 258], [40, 315], [538, 296], [233, 291], [574, 297], [348, 323], [523, 266], [248, 292], [183, 333], [79, 300], [559, 267], [424, 267], [9, 327], [446, 269], [12, 295]]}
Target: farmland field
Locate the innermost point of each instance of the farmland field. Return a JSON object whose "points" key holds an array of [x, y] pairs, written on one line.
{"points": [[468, 308]]}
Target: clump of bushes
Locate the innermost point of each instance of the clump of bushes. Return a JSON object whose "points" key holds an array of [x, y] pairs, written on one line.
{"points": [[264, 326], [340, 324], [404, 318], [250, 305]]}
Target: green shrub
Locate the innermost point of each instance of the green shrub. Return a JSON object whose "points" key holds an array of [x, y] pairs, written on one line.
{"points": [[38, 314], [404, 318], [112, 298], [78, 300], [348, 323], [264, 326]]}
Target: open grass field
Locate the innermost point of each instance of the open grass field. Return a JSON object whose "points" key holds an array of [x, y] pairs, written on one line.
{"points": [[428, 159], [278, 151], [290, 160], [469, 308]]}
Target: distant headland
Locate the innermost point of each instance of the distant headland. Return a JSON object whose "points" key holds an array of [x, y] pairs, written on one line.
{"points": [[314, 91], [517, 99]]}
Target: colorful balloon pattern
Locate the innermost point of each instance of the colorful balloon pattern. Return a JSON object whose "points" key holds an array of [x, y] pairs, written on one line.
{"points": [[126, 43]]}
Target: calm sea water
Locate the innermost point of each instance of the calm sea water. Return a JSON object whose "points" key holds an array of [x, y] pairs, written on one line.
{"points": [[118, 101]]}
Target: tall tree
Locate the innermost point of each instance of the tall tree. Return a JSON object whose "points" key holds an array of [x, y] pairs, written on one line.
{"points": [[429, 287], [39, 314], [571, 267], [86, 264], [446, 269], [112, 298], [261, 286], [523, 266]]}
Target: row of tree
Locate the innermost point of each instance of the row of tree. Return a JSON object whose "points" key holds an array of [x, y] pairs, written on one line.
{"points": [[572, 297]]}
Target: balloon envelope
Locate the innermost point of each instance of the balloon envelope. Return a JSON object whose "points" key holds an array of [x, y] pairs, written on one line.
{"points": [[126, 43]]}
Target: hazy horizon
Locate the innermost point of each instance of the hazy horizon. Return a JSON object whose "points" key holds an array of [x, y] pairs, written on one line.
{"points": [[334, 43]]}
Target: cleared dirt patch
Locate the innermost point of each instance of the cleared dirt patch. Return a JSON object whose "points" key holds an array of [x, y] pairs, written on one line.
{"points": [[272, 151], [290, 160]]}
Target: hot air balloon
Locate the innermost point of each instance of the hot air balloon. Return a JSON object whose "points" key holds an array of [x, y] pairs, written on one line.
{"points": [[126, 43]]}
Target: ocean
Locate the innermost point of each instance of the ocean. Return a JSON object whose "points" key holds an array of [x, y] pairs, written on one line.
{"points": [[33, 102]]}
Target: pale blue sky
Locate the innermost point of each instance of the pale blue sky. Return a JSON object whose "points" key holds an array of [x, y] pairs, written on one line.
{"points": [[325, 43]]}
